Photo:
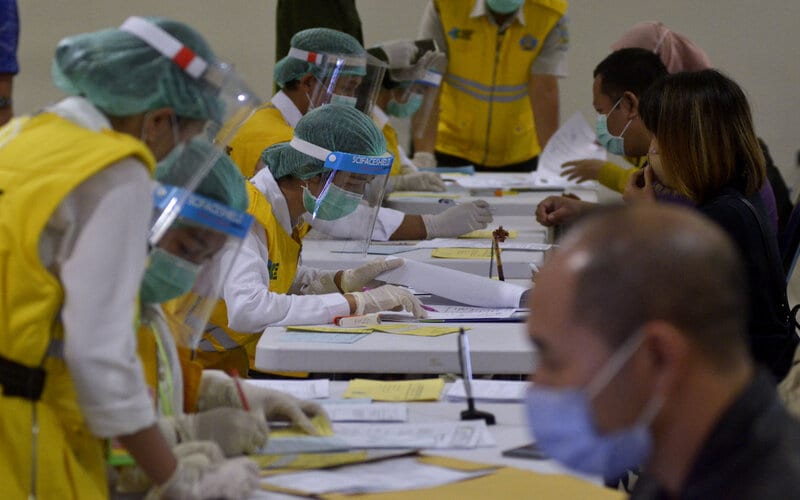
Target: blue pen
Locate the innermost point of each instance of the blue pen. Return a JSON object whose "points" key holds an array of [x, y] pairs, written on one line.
{"points": [[448, 201]]}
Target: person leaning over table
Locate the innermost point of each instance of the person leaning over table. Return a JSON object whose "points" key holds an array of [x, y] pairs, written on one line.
{"points": [[76, 203], [705, 148], [639, 323], [266, 285], [306, 85]]}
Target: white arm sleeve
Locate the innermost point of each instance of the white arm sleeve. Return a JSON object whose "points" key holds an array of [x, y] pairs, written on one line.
{"points": [[101, 256], [252, 307], [431, 27]]}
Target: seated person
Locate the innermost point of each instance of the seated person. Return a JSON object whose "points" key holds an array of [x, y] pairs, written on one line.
{"points": [[619, 81], [267, 285], [678, 53], [665, 381], [307, 85], [402, 93], [704, 147]]}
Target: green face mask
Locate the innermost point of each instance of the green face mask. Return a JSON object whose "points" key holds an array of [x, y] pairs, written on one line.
{"points": [[166, 277], [336, 204], [406, 109]]}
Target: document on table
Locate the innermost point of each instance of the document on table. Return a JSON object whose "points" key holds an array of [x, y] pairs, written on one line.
{"points": [[416, 329], [385, 475], [495, 391], [369, 412], [462, 253], [487, 234], [427, 389], [440, 435], [504, 181], [574, 140], [458, 313], [319, 337], [460, 243], [455, 285], [303, 389]]}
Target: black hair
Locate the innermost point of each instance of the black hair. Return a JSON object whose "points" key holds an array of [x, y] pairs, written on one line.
{"points": [[629, 70]]}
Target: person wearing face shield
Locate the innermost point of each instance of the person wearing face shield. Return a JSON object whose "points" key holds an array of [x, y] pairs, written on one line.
{"points": [[176, 299], [75, 179], [335, 166], [325, 66], [665, 384], [402, 96]]}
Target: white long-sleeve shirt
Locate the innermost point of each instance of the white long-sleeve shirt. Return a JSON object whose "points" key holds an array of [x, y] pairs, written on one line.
{"points": [[252, 307], [387, 221], [96, 244]]}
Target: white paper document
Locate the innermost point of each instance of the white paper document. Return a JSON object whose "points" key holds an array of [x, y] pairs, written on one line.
{"points": [[574, 140], [385, 475], [462, 243], [490, 390], [442, 435], [462, 287], [456, 313], [303, 389], [370, 412], [504, 181]]}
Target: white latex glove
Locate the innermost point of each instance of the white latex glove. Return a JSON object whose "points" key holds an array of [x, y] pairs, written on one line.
{"points": [[354, 280], [388, 298], [217, 390], [234, 430], [458, 220], [420, 181], [400, 53], [234, 478], [424, 159]]}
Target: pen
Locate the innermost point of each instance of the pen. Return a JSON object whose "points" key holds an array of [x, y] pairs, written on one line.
{"points": [[466, 367], [235, 376], [429, 308], [499, 261], [448, 201]]}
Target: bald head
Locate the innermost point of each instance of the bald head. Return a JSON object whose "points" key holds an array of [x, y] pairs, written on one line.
{"points": [[627, 266]]}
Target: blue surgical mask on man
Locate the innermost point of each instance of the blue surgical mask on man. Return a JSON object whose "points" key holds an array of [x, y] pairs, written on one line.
{"points": [[404, 109], [336, 203], [562, 422], [504, 6], [166, 277], [614, 144]]}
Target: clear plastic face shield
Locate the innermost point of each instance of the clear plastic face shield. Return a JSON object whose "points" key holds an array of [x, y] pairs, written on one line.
{"points": [[428, 88], [349, 191], [346, 79], [228, 100], [186, 269]]}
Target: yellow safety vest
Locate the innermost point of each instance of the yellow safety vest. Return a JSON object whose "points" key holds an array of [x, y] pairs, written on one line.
{"points": [[41, 161], [265, 127], [284, 254], [392, 144], [485, 113]]}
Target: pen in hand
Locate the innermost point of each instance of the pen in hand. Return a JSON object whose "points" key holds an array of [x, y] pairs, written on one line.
{"points": [[235, 375]]}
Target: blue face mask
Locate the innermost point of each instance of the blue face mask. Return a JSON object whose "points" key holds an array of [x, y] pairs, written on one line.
{"points": [[336, 203], [614, 144], [404, 110], [166, 277], [504, 6], [344, 99], [562, 423]]}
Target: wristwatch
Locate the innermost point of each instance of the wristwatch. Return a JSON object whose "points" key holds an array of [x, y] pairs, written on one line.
{"points": [[5, 102]]}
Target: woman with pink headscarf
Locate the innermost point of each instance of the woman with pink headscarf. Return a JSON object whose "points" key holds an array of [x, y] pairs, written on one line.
{"points": [[677, 52]]}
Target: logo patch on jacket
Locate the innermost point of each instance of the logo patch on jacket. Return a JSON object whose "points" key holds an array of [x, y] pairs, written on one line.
{"points": [[528, 42], [272, 268], [459, 34]]}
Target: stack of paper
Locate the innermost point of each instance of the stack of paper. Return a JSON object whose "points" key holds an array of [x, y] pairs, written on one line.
{"points": [[461, 314], [303, 389], [494, 391], [367, 412], [401, 390]]}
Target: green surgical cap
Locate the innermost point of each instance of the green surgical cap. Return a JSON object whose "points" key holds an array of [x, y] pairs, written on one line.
{"points": [[122, 75], [319, 40], [336, 127], [223, 183]]}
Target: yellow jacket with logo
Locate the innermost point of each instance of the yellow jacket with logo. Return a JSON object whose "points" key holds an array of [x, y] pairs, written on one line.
{"points": [[42, 159], [485, 114], [263, 129], [284, 254]]}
